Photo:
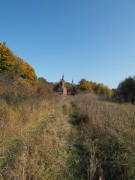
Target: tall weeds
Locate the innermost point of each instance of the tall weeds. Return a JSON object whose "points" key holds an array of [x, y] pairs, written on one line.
{"points": [[33, 138], [108, 134], [38, 142]]}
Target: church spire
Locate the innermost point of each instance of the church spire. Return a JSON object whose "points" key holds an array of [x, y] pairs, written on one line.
{"points": [[72, 81], [63, 77]]}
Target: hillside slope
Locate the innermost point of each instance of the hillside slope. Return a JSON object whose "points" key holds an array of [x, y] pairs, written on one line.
{"points": [[13, 66]]}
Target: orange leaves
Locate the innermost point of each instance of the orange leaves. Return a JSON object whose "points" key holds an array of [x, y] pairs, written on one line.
{"points": [[13, 66], [86, 86], [18, 78]]}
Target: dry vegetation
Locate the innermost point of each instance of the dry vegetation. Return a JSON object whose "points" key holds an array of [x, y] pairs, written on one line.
{"points": [[107, 133], [33, 143], [60, 138]]}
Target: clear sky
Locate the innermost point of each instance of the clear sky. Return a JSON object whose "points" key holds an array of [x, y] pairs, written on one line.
{"points": [[91, 39]]}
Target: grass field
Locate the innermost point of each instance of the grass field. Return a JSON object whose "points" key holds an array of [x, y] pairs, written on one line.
{"points": [[33, 138], [107, 131], [73, 138]]}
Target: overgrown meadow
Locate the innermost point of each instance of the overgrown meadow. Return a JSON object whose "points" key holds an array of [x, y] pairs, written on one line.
{"points": [[107, 135], [80, 137], [34, 138]]}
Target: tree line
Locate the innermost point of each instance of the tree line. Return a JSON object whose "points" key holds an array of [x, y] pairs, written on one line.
{"points": [[17, 77], [85, 86]]}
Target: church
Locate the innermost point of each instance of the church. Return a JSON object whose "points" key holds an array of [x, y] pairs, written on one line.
{"points": [[62, 88]]}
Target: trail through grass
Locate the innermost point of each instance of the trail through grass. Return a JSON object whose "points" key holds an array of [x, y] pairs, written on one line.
{"points": [[78, 161], [80, 138]]}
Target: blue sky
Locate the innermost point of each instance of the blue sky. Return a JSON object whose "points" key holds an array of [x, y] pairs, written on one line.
{"points": [[91, 39]]}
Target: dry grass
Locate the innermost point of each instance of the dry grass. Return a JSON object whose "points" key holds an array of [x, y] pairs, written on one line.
{"points": [[34, 138], [108, 133], [38, 142]]}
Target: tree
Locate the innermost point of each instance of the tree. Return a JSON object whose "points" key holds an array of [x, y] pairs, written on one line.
{"points": [[101, 89], [12, 66], [84, 86], [126, 90], [43, 87]]}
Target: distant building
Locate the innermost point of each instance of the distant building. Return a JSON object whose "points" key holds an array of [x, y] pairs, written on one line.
{"points": [[66, 88], [62, 89], [72, 89]]}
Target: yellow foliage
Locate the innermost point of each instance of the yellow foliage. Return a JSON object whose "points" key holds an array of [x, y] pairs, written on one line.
{"points": [[14, 66]]}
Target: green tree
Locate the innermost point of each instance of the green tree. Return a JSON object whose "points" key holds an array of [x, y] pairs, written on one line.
{"points": [[126, 90]]}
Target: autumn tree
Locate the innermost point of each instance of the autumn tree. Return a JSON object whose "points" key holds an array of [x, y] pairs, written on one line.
{"points": [[84, 86], [101, 89], [12, 66], [97, 88]]}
